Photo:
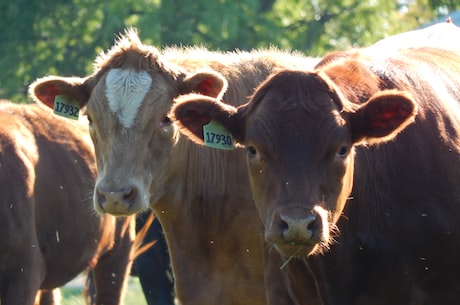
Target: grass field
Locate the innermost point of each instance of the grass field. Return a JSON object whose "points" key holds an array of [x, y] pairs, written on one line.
{"points": [[71, 293]]}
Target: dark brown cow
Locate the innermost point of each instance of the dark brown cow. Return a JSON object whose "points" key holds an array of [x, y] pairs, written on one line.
{"points": [[323, 154], [201, 196], [49, 232]]}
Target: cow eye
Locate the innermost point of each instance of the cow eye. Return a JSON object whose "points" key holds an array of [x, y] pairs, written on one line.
{"points": [[343, 151], [90, 120], [252, 152], [165, 121]]}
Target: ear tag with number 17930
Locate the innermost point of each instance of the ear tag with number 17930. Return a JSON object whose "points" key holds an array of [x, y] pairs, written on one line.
{"points": [[216, 136]]}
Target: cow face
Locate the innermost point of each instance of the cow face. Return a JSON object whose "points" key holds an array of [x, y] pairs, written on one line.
{"points": [[299, 133], [133, 137]]}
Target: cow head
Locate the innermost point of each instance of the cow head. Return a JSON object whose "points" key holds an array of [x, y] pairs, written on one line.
{"points": [[127, 102], [300, 134]]}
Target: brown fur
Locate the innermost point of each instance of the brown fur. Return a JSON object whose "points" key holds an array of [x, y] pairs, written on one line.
{"points": [[342, 143], [49, 232], [200, 196]]}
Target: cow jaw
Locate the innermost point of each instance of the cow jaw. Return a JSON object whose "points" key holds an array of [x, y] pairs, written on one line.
{"points": [[134, 177], [122, 186]]}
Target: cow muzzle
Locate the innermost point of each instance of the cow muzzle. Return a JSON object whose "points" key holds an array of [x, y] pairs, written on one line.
{"points": [[117, 200], [298, 232]]}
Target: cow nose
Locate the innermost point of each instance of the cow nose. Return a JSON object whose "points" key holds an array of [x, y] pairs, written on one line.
{"points": [[116, 200], [298, 228]]}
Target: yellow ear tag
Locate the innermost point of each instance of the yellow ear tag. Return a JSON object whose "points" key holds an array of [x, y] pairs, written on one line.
{"points": [[216, 136], [65, 108]]}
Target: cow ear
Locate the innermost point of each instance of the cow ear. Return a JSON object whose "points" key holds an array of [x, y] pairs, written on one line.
{"points": [[207, 83], [45, 90], [382, 117], [193, 111]]}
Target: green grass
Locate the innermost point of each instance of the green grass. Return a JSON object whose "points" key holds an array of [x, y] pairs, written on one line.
{"points": [[134, 295]]}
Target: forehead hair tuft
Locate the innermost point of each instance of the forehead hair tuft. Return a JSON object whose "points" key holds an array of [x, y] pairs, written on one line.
{"points": [[128, 52], [127, 47], [302, 87]]}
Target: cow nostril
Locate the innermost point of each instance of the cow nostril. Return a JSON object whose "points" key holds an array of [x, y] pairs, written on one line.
{"points": [[284, 225], [313, 225], [129, 194], [101, 199]]}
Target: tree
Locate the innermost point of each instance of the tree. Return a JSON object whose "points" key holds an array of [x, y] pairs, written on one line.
{"points": [[53, 37], [64, 36], [444, 6]]}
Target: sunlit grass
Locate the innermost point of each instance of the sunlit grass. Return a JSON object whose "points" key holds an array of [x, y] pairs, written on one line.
{"points": [[72, 295]]}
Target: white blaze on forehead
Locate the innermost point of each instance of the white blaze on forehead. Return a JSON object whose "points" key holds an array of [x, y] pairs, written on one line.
{"points": [[125, 91]]}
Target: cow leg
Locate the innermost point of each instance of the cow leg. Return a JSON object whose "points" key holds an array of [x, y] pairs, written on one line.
{"points": [[48, 297], [23, 267], [153, 266], [90, 289], [113, 268], [23, 285], [19, 291]]}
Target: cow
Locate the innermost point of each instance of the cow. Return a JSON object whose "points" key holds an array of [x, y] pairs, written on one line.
{"points": [[153, 267], [151, 264], [354, 169], [438, 35], [201, 196], [49, 231]]}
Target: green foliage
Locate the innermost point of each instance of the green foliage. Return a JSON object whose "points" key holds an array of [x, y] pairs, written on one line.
{"points": [[444, 5], [319, 27], [64, 36]]}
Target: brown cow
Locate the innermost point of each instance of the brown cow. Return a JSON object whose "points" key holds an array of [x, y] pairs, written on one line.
{"points": [[322, 155], [49, 232], [201, 196]]}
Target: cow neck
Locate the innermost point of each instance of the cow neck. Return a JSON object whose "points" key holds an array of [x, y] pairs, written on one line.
{"points": [[219, 198]]}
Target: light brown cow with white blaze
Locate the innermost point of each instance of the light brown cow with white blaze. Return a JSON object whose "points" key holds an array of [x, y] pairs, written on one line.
{"points": [[125, 90], [49, 232], [201, 196]]}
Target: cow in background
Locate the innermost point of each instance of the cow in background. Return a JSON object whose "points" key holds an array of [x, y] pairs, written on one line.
{"points": [[439, 35], [354, 169], [153, 266], [201, 196], [49, 231]]}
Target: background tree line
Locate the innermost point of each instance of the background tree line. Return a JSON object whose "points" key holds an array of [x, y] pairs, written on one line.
{"points": [[39, 37]]}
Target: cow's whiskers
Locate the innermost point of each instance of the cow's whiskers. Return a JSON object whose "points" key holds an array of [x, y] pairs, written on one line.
{"points": [[291, 257], [270, 248]]}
